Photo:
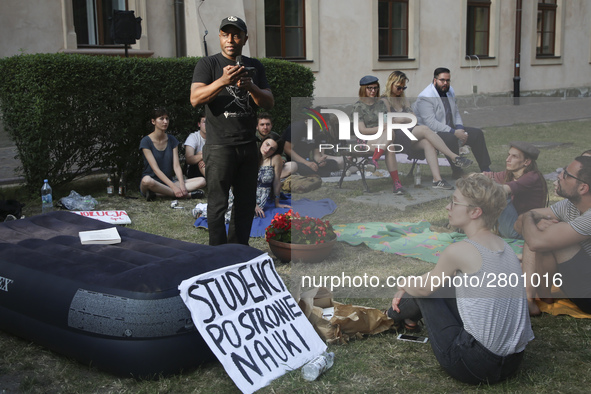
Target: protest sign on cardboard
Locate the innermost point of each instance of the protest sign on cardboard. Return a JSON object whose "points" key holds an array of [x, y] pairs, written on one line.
{"points": [[251, 322], [113, 217]]}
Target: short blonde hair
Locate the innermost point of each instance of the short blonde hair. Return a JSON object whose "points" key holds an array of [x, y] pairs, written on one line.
{"points": [[484, 193], [394, 78]]}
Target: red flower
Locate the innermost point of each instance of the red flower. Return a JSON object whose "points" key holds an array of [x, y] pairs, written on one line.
{"points": [[290, 227]]}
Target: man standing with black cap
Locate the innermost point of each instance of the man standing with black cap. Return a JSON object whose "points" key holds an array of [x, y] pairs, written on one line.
{"points": [[524, 184], [232, 86]]}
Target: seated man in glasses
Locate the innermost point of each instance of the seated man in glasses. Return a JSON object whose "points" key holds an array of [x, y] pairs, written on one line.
{"points": [[436, 108], [557, 248]]}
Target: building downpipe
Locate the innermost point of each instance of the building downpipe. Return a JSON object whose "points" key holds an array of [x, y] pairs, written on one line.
{"points": [[179, 27], [517, 69]]}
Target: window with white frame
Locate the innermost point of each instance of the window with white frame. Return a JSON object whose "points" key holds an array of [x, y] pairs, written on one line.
{"points": [[393, 29], [546, 28], [478, 28], [285, 29], [480, 33], [92, 21], [548, 24], [395, 34]]}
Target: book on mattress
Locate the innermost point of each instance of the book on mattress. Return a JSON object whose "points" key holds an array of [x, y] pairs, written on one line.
{"points": [[107, 236]]}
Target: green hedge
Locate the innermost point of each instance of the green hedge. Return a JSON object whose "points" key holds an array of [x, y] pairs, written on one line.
{"points": [[70, 114]]}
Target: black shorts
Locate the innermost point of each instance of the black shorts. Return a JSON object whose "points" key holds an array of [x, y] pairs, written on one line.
{"points": [[576, 280], [193, 171], [408, 148]]}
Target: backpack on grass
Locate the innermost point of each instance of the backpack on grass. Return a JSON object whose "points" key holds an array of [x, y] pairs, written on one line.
{"points": [[10, 207]]}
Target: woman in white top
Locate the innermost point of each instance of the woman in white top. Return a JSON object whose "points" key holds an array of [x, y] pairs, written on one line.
{"points": [[473, 301]]}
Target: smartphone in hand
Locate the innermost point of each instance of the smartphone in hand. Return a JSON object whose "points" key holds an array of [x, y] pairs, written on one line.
{"points": [[248, 71]]}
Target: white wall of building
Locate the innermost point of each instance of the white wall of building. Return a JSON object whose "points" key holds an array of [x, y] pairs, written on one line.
{"points": [[343, 36]]}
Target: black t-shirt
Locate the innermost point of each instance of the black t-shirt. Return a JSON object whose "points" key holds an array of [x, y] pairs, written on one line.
{"points": [[231, 115], [296, 133]]}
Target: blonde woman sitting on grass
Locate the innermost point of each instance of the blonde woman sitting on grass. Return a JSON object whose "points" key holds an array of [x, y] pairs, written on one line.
{"points": [[477, 333]]}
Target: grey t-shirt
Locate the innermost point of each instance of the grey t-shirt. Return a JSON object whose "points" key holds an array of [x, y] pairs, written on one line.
{"points": [[164, 158]]}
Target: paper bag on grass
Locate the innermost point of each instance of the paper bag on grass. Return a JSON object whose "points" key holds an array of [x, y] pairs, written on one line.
{"points": [[348, 321], [312, 303], [354, 320]]}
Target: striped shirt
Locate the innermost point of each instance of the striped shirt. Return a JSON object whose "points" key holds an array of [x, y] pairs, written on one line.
{"points": [[494, 311], [567, 212]]}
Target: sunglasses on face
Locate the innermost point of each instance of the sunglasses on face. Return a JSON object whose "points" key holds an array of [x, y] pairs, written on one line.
{"points": [[400, 87]]}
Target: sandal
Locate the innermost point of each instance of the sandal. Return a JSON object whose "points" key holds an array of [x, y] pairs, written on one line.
{"points": [[403, 324], [411, 327]]}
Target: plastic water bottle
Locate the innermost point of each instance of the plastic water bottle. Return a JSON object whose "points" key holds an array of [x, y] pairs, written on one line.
{"points": [[317, 366], [46, 197], [122, 188], [418, 176], [110, 187]]}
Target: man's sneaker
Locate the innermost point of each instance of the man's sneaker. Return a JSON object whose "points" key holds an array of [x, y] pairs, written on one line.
{"points": [[442, 184], [398, 189], [462, 162], [150, 195], [370, 167], [197, 194]]}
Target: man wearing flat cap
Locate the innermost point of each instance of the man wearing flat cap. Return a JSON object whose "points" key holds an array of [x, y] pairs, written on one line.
{"points": [[231, 87], [524, 183]]}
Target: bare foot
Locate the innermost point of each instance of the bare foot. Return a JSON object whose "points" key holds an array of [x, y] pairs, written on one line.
{"points": [[533, 308]]}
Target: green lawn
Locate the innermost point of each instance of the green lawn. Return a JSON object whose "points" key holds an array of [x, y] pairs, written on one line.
{"points": [[558, 360]]}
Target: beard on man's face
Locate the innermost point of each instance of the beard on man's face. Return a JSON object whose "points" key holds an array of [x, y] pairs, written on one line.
{"points": [[572, 197], [441, 89]]}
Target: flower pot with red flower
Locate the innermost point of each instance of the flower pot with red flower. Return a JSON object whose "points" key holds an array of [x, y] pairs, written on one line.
{"points": [[292, 237]]}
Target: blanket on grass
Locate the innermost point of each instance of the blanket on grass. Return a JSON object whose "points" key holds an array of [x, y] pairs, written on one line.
{"points": [[561, 306], [404, 239], [418, 241], [304, 206]]}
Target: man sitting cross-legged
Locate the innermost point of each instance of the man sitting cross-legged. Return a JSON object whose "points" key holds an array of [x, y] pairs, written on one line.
{"points": [[557, 246]]}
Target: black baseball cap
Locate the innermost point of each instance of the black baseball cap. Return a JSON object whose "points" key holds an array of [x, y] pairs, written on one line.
{"points": [[233, 21]]}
